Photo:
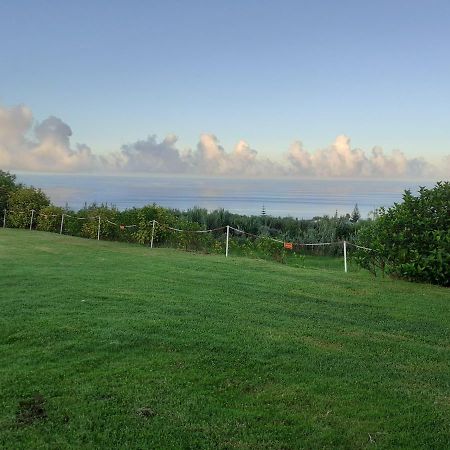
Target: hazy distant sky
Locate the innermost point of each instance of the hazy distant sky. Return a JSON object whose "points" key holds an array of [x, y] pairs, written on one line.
{"points": [[268, 72]]}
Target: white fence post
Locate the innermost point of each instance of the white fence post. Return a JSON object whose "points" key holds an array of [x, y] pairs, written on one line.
{"points": [[153, 233], [62, 224], [98, 229], [345, 256], [4, 218], [32, 215], [228, 237]]}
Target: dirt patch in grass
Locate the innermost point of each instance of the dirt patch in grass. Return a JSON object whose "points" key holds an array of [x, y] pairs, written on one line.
{"points": [[30, 410], [145, 412]]}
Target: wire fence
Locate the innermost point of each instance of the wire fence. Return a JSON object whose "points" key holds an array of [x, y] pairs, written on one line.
{"points": [[227, 230]]}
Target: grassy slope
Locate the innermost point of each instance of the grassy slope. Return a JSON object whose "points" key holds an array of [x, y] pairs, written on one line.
{"points": [[226, 353]]}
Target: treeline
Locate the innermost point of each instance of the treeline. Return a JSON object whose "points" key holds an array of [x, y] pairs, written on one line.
{"points": [[136, 225]]}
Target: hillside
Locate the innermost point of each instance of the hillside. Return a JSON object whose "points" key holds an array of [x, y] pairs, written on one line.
{"points": [[109, 345]]}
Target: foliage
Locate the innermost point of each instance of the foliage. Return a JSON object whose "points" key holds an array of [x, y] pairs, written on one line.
{"points": [[72, 224], [190, 238], [319, 229], [49, 219], [7, 186], [21, 203], [91, 223], [411, 239], [145, 231], [356, 215], [263, 248], [127, 220]]}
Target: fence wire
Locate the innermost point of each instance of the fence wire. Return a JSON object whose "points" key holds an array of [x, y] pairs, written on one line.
{"points": [[214, 239]]}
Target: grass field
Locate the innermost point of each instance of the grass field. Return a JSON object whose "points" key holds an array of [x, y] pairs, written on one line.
{"points": [[107, 345]]}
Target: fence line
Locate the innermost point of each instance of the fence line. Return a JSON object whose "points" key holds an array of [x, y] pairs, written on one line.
{"points": [[120, 225], [189, 231], [255, 235], [361, 247], [163, 226]]}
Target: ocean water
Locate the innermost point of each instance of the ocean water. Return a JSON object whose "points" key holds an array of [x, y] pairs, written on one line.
{"points": [[302, 198]]}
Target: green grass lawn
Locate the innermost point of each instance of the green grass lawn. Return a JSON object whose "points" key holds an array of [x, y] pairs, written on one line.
{"points": [[108, 345]]}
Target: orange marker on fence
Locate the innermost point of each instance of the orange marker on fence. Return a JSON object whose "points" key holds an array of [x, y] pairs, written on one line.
{"points": [[288, 245]]}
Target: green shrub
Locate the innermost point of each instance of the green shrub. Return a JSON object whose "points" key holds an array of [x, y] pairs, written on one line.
{"points": [[108, 217], [7, 186], [411, 240], [49, 219], [21, 202], [146, 215]]}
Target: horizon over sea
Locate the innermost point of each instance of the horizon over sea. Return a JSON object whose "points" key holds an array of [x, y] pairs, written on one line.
{"points": [[301, 198]]}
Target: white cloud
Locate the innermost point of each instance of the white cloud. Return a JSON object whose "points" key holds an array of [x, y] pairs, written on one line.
{"points": [[14, 124], [50, 148], [340, 160], [212, 159], [47, 147], [149, 156]]}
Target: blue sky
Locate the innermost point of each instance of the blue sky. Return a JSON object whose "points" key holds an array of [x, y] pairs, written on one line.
{"points": [[269, 72]]}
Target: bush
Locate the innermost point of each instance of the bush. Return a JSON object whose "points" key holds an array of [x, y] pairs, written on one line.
{"points": [[89, 227], [49, 219], [411, 240], [7, 186], [146, 215], [21, 202]]}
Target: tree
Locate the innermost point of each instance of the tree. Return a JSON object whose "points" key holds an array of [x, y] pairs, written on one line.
{"points": [[411, 240], [7, 185], [21, 202], [355, 216]]}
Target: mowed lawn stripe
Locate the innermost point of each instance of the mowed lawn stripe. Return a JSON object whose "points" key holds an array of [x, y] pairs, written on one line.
{"points": [[133, 347]]}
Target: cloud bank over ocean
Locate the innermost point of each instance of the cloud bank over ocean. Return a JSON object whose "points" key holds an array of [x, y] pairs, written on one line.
{"points": [[46, 147]]}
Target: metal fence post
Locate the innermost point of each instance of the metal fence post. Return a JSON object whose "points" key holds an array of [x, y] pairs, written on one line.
{"points": [[62, 224], [98, 229], [345, 256], [32, 215], [228, 237], [153, 233]]}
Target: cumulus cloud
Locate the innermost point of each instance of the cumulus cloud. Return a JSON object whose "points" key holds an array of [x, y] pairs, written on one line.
{"points": [[149, 156], [211, 158], [47, 149], [340, 160], [46, 146], [208, 158], [14, 124]]}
